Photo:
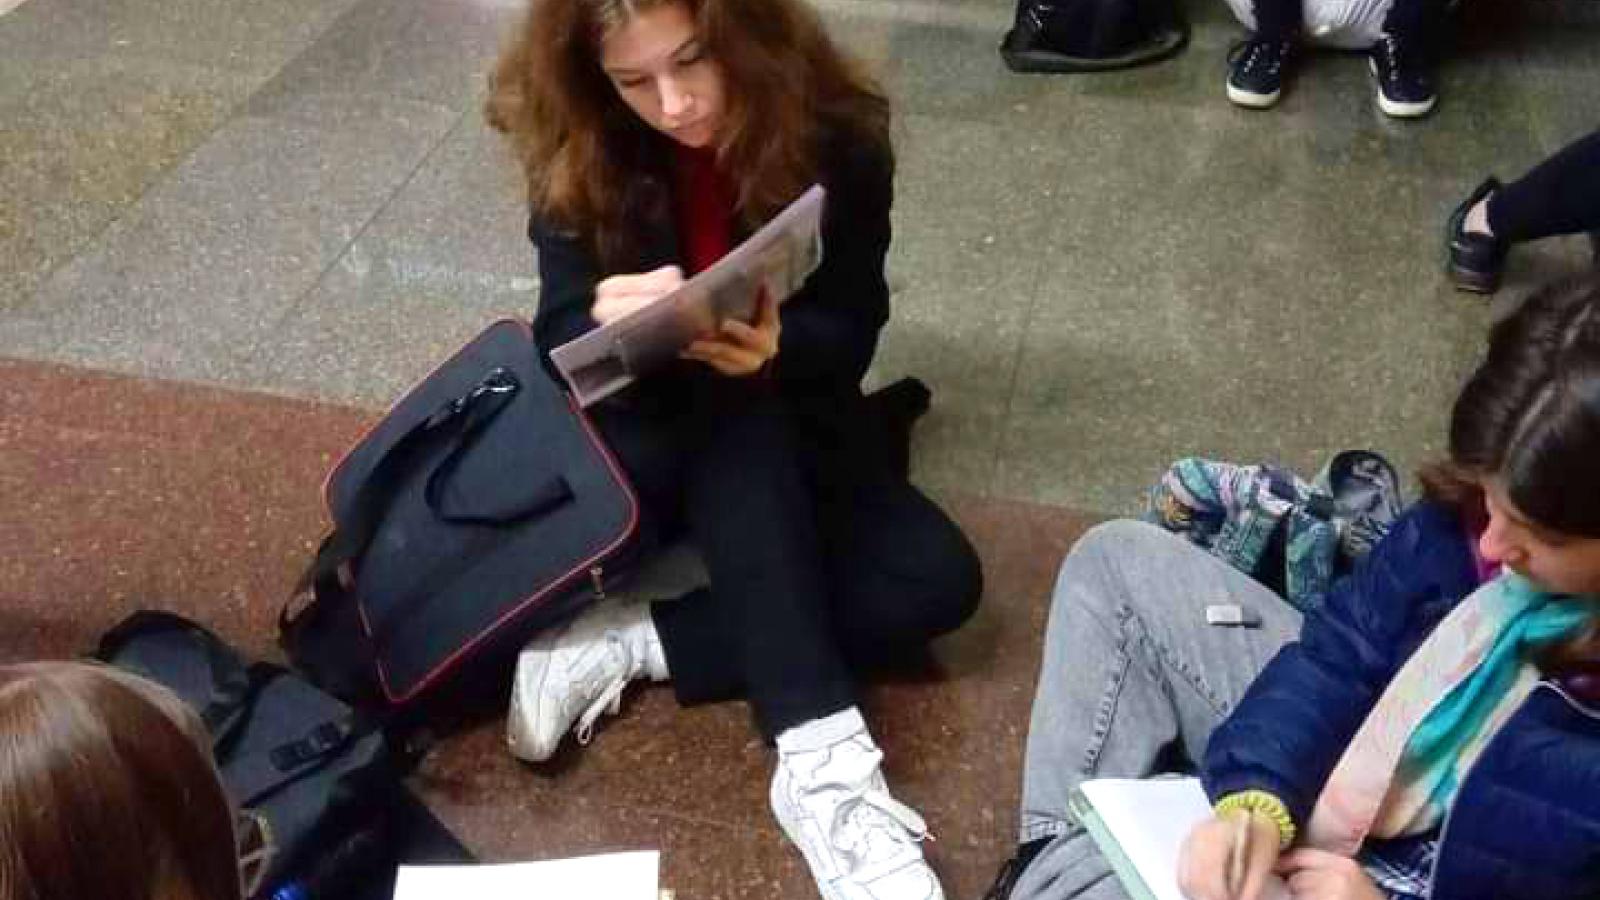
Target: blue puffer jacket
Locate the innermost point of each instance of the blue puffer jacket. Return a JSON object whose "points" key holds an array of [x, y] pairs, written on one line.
{"points": [[1526, 822]]}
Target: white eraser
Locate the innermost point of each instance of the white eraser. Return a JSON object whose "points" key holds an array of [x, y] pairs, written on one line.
{"points": [[1231, 614]]}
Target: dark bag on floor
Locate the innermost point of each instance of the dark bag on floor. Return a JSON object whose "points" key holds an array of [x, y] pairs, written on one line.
{"points": [[482, 508], [317, 773], [1092, 35]]}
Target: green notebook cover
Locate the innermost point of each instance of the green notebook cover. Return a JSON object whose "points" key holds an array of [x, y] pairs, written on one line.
{"points": [[1084, 812]]}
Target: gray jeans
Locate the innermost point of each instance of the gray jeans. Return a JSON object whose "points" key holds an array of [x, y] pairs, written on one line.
{"points": [[1133, 682]]}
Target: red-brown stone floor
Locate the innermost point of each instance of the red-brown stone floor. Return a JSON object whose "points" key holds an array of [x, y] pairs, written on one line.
{"points": [[118, 494]]}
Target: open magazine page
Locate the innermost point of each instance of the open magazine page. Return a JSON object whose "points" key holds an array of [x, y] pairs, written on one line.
{"points": [[776, 259]]}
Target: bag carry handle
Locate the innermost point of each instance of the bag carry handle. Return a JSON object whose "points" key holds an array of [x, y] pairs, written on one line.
{"points": [[461, 421]]}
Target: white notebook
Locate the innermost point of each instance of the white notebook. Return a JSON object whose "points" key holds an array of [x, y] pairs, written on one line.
{"points": [[611, 876], [1140, 825]]}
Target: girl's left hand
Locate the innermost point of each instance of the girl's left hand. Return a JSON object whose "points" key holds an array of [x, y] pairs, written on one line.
{"points": [[741, 349], [1319, 875]]}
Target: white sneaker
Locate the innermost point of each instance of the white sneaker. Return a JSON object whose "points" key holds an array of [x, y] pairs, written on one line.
{"points": [[577, 672], [830, 797]]}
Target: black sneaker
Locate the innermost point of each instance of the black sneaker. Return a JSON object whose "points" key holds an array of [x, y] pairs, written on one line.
{"points": [[1475, 259], [1256, 71], [1404, 76]]}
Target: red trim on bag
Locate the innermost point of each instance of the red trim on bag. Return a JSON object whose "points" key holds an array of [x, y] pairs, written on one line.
{"points": [[564, 581]]}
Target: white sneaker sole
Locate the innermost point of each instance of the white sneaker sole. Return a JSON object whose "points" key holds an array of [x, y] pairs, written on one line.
{"points": [[1398, 109], [1252, 100]]}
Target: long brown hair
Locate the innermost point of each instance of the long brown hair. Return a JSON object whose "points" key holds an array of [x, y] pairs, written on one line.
{"points": [[592, 166], [107, 791]]}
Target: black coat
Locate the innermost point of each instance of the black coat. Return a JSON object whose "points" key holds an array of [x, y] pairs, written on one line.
{"points": [[830, 327]]}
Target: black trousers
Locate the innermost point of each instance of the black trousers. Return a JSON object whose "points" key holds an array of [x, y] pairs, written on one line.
{"points": [[822, 562], [1280, 20], [1558, 196]]}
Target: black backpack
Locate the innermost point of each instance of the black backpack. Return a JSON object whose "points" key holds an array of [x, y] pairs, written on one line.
{"points": [[321, 776], [1092, 35]]}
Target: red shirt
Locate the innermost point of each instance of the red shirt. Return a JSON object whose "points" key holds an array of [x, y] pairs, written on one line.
{"points": [[703, 208]]}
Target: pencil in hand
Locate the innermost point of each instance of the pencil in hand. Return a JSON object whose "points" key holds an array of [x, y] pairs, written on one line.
{"points": [[1238, 853]]}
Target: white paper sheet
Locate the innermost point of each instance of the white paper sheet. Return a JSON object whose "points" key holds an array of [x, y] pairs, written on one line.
{"points": [[610, 876], [1150, 818]]}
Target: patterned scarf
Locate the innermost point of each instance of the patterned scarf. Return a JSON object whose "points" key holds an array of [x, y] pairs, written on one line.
{"points": [[1401, 770]]}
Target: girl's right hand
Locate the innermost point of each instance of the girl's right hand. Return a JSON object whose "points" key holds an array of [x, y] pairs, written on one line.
{"points": [[619, 295], [1208, 853]]}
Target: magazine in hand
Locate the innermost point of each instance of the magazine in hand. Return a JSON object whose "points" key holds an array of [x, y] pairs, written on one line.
{"points": [[776, 260]]}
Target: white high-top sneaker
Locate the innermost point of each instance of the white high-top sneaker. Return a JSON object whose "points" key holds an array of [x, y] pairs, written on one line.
{"points": [[577, 672], [830, 797]]}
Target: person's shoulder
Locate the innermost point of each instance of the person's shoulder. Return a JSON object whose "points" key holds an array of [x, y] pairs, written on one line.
{"points": [[1429, 525], [1427, 553], [851, 155]]}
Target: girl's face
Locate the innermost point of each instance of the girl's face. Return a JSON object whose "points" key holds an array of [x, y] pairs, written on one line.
{"points": [[659, 68], [1562, 563]]}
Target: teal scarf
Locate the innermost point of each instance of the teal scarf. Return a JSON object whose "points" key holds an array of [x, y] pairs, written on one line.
{"points": [[1530, 619]]}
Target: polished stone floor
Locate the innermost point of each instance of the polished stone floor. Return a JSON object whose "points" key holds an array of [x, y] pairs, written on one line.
{"points": [[230, 231]]}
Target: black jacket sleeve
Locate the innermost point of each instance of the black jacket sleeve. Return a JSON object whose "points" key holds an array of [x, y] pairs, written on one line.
{"points": [[830, 327], [567, 276]]}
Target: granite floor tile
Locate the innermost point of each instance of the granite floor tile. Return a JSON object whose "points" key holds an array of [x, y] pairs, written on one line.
{"points": [[238, 37], [372, 328], [222, 248], [83, 140], [436, 51], [1272, 315], [118, 494], [963, 271], [447, 255]]}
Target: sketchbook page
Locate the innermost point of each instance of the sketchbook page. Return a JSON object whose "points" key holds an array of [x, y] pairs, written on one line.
{"points": [[1149, 818], [611, 876], [776, 260]]}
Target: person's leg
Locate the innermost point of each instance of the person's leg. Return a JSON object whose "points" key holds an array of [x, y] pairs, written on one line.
{"points": [[1558, 196], [903, 573], [1404, 58], [762, 630], [1133, 680], [899, 571], [1260, 65], [768, 628]]}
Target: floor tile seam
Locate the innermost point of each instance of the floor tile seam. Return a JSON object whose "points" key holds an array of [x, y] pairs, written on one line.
{"points": [[158, 179], [415, 99], [257, 347], [235, 111], [219, 392], [1013, 381]]}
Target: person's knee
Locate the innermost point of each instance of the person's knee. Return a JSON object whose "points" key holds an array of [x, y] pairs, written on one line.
{"points": [[1100, 555], [957, 582], [934, 587]]}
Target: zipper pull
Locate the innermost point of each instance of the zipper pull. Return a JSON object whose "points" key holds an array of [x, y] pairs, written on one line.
{"points": [[597, 577]]}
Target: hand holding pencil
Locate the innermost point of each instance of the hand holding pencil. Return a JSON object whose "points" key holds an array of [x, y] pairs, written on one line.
{"points": [[1228, 857]]}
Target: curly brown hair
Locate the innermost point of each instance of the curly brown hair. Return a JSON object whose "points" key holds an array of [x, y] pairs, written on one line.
{"points": [[591, 165]]}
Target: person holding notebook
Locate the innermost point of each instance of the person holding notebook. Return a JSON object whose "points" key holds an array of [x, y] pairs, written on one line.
{"points": [[1430, 729], [654, 136]]}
